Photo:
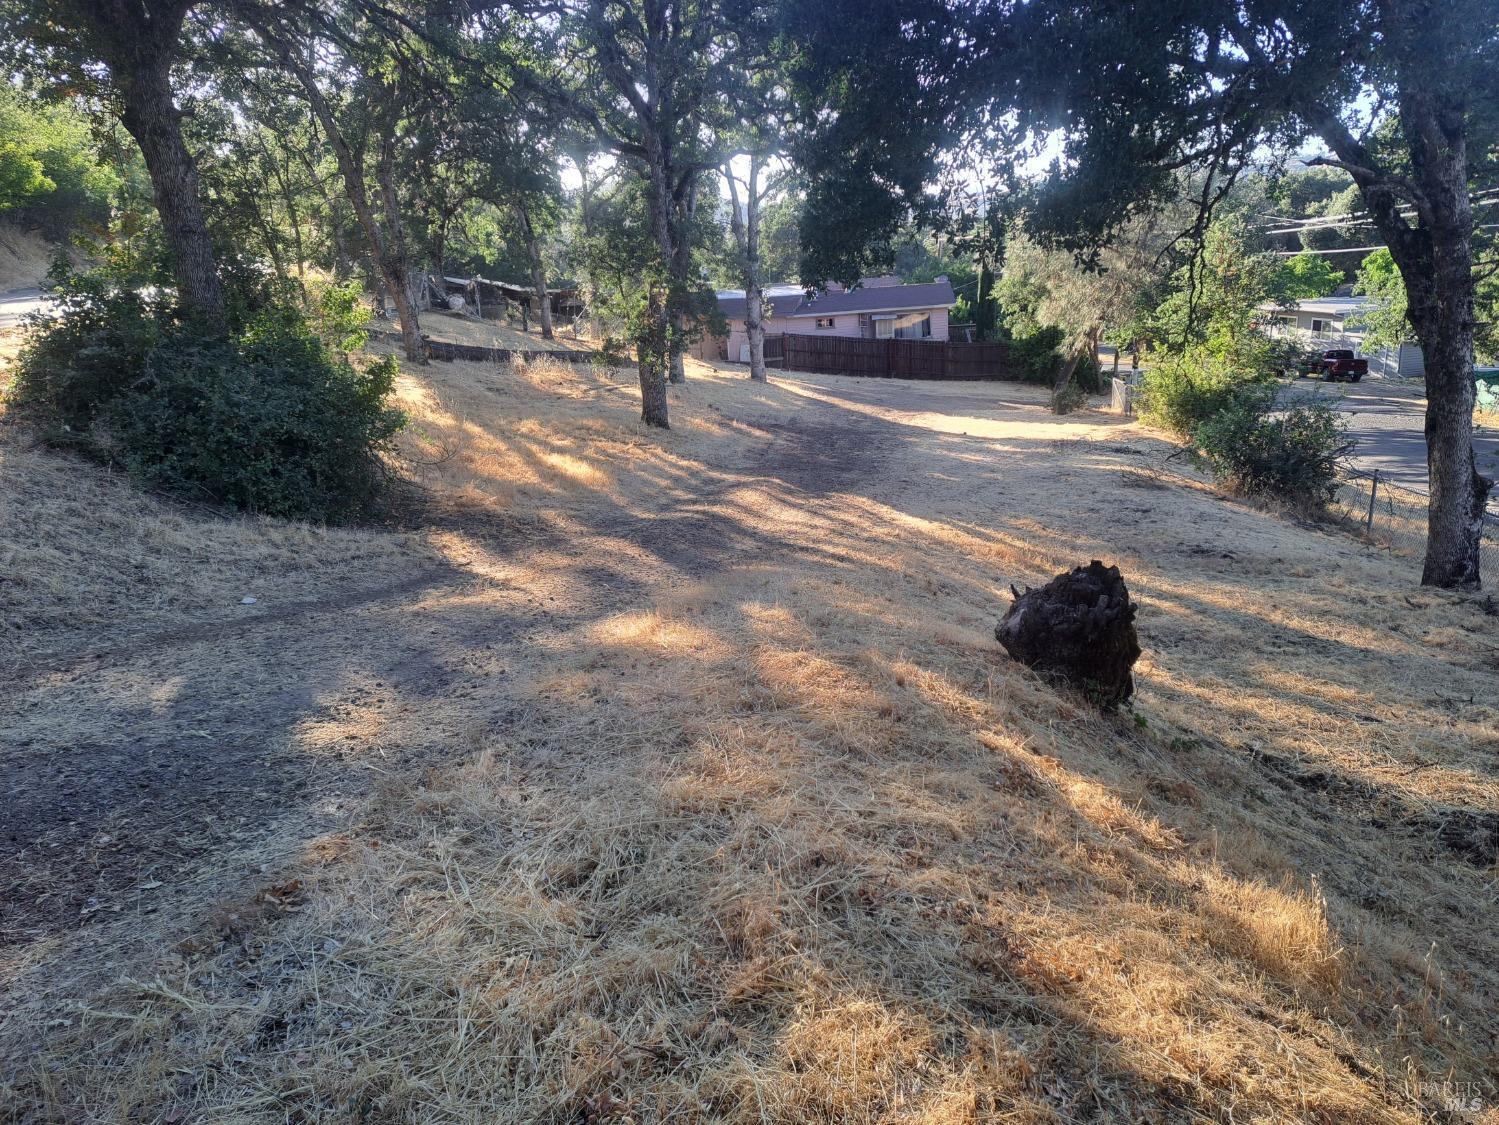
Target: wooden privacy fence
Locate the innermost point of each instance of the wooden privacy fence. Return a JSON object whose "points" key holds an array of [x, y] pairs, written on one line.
{"points": [[889, 359]]}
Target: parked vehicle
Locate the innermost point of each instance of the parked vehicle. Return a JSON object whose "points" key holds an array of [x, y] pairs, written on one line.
{"points": [[1340, 365]]}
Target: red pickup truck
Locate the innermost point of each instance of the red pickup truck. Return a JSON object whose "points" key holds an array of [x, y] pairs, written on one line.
{"points": [[1340, 365]]}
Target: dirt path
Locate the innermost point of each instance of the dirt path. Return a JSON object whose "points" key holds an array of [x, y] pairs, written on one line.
{"points": [[197, 748]]}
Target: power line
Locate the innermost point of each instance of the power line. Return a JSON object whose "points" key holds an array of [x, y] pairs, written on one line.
{"points": [[1344, 250], [1356, 249], [1357, 218]]}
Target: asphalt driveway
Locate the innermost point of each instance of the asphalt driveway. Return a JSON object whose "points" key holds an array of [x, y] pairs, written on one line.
{"points": [[1387, 418], [16, 303]]}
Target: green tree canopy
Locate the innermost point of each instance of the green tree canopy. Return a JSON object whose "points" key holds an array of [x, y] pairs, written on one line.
{"points": [[1304, 276]]}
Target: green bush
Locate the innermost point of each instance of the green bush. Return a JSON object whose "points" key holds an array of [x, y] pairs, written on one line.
{"points": [[1291, 454], [340, 317], [1281, 357], [1089, 375], [1181, 391], [271, 423], [1035, 358], [86, 350], [1069, 398], [271, 419]]}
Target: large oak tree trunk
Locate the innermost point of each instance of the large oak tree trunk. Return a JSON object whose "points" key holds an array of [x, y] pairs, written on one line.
{"points": [[678, 364], [653, 345], [1435, 258], [680, 215], [754, 327], [1455, 514], [152, 118], [651, 355]]}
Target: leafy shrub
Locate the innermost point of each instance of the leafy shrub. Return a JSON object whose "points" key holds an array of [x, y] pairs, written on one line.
{"points": [[271, 423], [1088, 375], [87, 349], [614, 351], [1281, 357], [271, 419], [340, 317], [1069, 398], [1289, 454], [1182, 391], [1035, 357]]}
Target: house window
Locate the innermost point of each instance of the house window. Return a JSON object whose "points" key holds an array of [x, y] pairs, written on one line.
{"points": [[884, 327], [921, 330], [1317, 325], [826, 321]]}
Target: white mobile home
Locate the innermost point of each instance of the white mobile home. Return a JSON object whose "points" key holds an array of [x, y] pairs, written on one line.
{"points": [[1324, 322]]}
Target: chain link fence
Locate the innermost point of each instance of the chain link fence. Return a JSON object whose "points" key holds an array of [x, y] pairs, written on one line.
{"points": [[1394, 517]]}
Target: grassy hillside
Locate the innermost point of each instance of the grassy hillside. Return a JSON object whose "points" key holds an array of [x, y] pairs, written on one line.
{"points": [[649, 776]]}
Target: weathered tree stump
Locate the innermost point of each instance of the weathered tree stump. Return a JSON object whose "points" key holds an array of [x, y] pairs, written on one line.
{"points": [[1079, 628]]}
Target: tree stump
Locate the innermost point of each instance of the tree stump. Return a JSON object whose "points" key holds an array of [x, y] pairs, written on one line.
{"points": [[1078, 628]]}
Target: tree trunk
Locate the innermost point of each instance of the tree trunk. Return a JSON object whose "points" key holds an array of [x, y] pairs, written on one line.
{"points": [[1441, 311], [385, 252], [288, 200], [1454, 517], [678, 364], [651, 356], [154, 121], [747, 234], [440, 248], [681, 214], [653, 346], [538, 270], [983, 319], [395, 260], [754, 328], [754, 293], [1089, 347], [1436, 267]]}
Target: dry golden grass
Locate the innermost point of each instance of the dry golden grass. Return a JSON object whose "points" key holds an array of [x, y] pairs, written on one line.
{"points": [[759, 824], [89, 560], [460, 328]]}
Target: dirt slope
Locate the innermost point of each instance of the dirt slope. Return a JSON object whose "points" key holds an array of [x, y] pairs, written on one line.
{"points": [[640, 776], [25, 257]]}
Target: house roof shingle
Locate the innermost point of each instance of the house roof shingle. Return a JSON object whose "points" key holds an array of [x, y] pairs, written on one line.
{"points": [[1323, 306], [882, 298], [786, 301], [781, 304]]}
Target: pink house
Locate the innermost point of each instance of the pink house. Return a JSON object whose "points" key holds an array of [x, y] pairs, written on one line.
{"points": [[879, 308]]}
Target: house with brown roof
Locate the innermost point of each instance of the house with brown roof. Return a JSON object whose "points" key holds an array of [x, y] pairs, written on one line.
{"points": [[878, 308]]}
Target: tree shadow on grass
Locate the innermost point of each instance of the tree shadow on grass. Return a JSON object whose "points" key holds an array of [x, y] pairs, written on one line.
{"points": [[730, 808]]}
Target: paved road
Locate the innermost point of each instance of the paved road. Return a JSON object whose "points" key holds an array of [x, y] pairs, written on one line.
{"points": [[1388, 420], [17, 303]]}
